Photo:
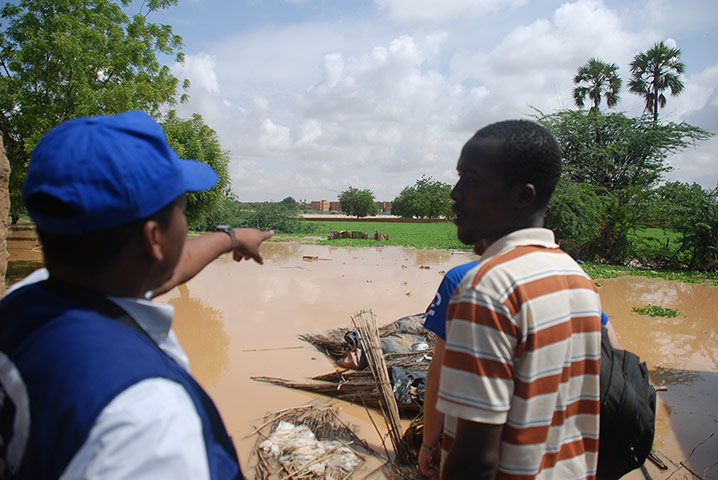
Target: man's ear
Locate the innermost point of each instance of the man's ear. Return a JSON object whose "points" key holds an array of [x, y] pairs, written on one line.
{"points": [[525, 195], [152, 240]]}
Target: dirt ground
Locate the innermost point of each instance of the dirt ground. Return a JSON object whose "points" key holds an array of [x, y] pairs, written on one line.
{"points": [[236, 321]]}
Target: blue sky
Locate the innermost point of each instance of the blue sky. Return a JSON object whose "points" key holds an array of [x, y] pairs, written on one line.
{"points": [[312, 96]]}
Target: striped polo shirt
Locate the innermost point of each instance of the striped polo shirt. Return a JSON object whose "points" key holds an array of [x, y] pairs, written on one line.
{"points": [[523, 350]]}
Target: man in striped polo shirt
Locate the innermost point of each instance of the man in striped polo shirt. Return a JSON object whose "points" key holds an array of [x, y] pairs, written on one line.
{"points": [[520, 378]]}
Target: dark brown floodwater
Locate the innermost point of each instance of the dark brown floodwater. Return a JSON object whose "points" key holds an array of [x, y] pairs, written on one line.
{"points": [[241, 320]]}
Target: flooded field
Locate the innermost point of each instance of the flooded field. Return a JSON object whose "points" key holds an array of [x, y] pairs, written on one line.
{"points": [[237, 321]]}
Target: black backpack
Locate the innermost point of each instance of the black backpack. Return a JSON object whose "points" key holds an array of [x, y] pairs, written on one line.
{"points": [[628, 412]]}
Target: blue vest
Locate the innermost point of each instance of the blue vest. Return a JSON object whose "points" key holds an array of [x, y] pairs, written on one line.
{"points": [[73, 360]]}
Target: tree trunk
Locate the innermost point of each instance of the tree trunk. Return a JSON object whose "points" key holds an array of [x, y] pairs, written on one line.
{"points": [[4, 210]]}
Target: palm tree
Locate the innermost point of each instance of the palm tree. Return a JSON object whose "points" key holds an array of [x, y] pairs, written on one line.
{"points": [[595, 79], [654, 71]]}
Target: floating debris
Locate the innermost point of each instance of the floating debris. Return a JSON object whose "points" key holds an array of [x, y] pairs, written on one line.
{"points": [[307, 442]]}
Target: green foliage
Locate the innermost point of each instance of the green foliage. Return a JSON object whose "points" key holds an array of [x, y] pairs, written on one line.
{"points": [[195, 140], [658, 246], [227, 211], [440, 235], [428, 198], [612, 151], [656, 311], [607, 271], [654, 71], [289, 203], [358, 202], [596, 79], [60, 59], [574, 214], [622, 159], [691, 212], [275, 216]]}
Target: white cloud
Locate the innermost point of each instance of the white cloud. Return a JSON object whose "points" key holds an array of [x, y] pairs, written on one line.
{"points": [[309, 108], [435, 12], [200, 68], [697, 164]]}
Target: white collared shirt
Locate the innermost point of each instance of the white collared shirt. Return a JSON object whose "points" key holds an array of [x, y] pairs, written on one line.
{"points": [[151, 430]]}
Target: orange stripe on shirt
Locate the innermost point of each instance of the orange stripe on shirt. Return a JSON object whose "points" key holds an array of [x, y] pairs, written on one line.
{"points": [[482, 367], [481, 315], [539, 434], [545, 286], [568, 451], [503, 258], [548, 384]]}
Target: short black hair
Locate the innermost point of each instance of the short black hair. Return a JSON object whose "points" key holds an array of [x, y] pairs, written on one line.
{"points": [[92, 250], [530, 152]]}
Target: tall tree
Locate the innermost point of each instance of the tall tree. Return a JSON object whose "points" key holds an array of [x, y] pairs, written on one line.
{"points": [[428, 198], [654, 71], [60, 59], [595, 80], [612, 151], [622, 159], [192, 138], [289, 203], [358, 202]]}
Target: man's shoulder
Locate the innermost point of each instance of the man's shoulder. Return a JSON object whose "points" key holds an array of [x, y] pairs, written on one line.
{"points": [[522, 259]]}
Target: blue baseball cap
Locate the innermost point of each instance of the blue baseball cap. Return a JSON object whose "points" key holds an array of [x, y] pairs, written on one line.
{"points": [[110, 170]]}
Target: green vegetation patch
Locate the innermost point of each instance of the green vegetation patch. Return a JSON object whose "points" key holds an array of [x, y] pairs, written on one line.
{"points": [[656, 311], [605, 271], [415, 235]]}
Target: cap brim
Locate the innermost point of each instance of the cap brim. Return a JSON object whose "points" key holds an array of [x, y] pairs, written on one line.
{"points": [[198, 176]]}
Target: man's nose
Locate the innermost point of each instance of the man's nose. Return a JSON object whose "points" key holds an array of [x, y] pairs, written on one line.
{"points": [[454, 194]]}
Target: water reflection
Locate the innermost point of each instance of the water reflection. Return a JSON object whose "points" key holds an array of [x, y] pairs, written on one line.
{"points": [[688, 415], [280, 251], [203, 324], [25, 253]]}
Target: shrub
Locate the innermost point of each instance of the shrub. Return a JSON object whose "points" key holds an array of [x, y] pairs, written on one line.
{"points": [[575, 215]]}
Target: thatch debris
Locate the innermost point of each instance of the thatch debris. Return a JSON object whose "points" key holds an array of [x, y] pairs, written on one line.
{"points": [[292, 449], [407, 368], [365, 322], [307, 442], [359, 387], [356, 235], [333, 342]]}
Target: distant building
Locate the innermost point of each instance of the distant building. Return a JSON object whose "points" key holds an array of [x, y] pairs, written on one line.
{"points": [[327, 206], [384, 207], [319, 206]]}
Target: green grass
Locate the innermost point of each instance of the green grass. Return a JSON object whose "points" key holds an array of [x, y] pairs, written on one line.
{"points": [[416, 235], [658, 244], [659, 235], [604, 271], [656, 311]]}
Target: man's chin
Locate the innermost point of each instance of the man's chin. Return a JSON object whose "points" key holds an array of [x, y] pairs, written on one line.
{"points": [[465, 237]]}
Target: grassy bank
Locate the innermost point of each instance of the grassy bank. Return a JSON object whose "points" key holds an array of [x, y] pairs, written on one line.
{"points": [[599, 271], [417, 235]]}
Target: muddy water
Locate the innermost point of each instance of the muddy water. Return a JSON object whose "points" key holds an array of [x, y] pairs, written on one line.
{"points": [[238, 321], [682, 355], [241, 320]]}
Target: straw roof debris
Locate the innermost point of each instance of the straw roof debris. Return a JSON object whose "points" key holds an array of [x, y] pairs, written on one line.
{"points": [[307, 442]]}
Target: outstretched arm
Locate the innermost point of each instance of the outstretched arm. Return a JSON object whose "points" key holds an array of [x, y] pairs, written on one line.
{"points": [[430, 452], [200, 251]]}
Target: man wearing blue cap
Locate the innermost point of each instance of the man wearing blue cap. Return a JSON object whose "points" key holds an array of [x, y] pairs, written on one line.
{"points": [[93, 383]]}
